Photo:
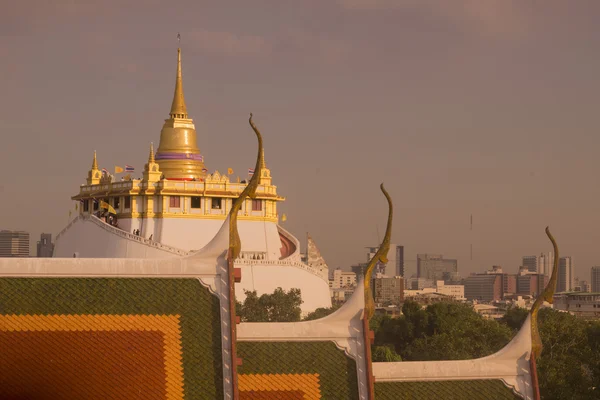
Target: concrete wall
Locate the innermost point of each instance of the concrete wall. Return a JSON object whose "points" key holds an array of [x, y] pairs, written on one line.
{"points": [[193, 234], [88, 240]]}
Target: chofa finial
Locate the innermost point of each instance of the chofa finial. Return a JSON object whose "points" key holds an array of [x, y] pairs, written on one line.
{"points": [[380, 256], [235, 244], [546, 295]]}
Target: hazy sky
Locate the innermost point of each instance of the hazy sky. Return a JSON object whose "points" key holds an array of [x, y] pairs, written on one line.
{"points": [[461, 107]]}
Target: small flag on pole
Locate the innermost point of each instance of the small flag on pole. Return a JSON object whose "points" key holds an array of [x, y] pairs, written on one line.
{"points": [[104, 171], [229, 171], [118, 169], [129, 168], [178, 37], [250, 171]]}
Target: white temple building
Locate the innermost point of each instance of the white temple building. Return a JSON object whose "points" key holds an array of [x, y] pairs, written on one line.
{"points": [[178, 206]]}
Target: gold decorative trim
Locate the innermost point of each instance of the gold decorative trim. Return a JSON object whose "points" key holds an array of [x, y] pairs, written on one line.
{"points": [[199, 216], [546, 295], [380, 256]]}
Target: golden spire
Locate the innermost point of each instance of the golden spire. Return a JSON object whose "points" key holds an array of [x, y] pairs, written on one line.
{"points": [[151, 156], [95, 162], [178, 153], [178, 108]]}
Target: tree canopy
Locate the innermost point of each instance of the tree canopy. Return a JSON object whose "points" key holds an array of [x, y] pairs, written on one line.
{"points": [[321, 312], [442, 331], [280, 306]]}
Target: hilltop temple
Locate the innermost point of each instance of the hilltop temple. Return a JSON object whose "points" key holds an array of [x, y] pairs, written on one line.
{"points": [[178, 206]]}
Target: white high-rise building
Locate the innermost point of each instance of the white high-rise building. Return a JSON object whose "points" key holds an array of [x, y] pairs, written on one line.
{"points": [[565, 275], [541, 264], [546, 263]]}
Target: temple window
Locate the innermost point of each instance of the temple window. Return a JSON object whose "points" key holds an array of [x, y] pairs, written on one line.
{"points": [[175, 201], [86, 205], [256, 205], [116, 202], [216, 203], [127, 201], [196, 202], [96, 205]]}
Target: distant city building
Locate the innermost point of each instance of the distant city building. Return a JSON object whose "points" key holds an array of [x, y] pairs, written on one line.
{"points": [[509, 284], [488, 311], [585, 286], [455, 291], [419, 283], [441, 292], [433, 266], [530, 284], [342, 279], [581, 285], [388, 290], [359, 269], [582, 305], [547, 261], [395, 264], [532, 263], [484, 287], [565, 275], [452, 278], [541, 264], [492, 285], [14, 244], [45, 247], [595, 279], [400, 261]]}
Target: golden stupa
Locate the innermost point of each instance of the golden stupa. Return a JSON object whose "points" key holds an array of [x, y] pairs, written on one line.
{"points": [[178, 153]]}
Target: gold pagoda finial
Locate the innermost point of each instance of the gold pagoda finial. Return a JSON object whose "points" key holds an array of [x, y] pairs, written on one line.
{"points": [[178, 108], [380, 256], [95, 162], [151, 156], [546, 295]]}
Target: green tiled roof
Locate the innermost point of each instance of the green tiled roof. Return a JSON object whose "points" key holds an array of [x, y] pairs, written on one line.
{"points": [[492, 389], [68, 323], [337, 372]]}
